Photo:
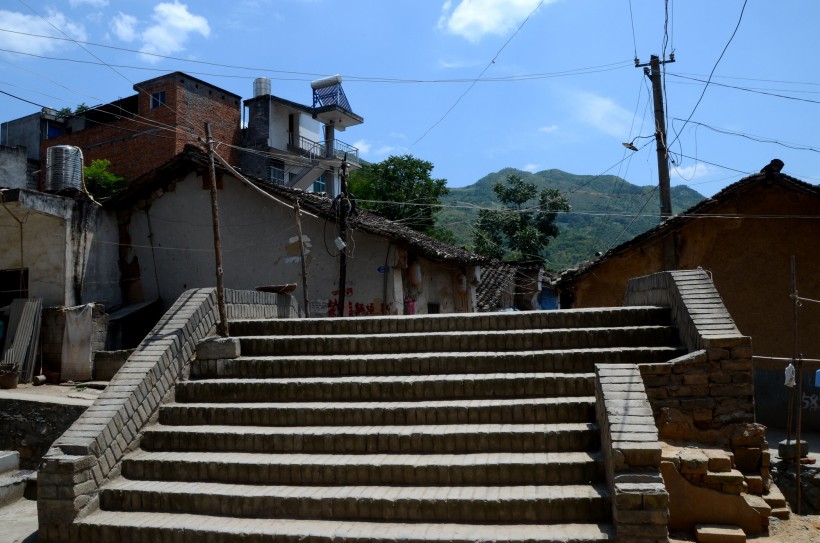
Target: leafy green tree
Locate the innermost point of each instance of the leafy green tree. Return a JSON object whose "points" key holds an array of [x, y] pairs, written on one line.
{"points": [[401, 189], [99, 181], [524, 226]]}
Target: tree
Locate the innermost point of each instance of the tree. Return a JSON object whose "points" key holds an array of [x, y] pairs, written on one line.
{"points": [[100, 182], [400, 188], [517, 230]]}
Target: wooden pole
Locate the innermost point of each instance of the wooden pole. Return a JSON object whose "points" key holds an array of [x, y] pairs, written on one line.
{"points": [[222, 325], [302, 254], [343, 210], [799, 370]]}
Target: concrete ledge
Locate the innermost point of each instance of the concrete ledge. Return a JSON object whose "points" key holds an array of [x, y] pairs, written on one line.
{"points": [[632, 454]]}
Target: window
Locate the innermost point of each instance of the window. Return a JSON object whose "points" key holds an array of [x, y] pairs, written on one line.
{"points": [[13, 284], [157, 99], [276, 173], [319, 185]]}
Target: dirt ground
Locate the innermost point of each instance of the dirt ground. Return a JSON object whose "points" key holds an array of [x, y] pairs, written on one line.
{"points": [[797, 529]]}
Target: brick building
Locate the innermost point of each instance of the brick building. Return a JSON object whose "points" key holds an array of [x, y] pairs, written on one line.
{"points": [[153, 125]]}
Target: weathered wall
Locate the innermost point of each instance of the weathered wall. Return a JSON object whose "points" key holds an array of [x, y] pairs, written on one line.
{"points": [[259, 230], [24, 132], [100, 276], [44, 245], [748, 260], [13, 167]]}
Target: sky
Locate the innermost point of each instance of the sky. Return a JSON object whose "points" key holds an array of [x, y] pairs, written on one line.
{"points": [[473, 86]]}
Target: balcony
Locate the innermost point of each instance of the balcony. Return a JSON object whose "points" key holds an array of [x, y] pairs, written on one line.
{"points": [[319, 150]]}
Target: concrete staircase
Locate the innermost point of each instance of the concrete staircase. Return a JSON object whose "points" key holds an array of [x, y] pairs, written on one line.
{"points": [[462, 428]]}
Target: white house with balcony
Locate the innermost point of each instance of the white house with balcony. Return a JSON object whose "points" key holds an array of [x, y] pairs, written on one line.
{"points": [[296, 144]]}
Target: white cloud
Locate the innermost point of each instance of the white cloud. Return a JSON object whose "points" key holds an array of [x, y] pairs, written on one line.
{"points": [[532, 168], [32, 24], [385, 150], [367, 149], [603, 114], [124, 27], [474, 19], [173, 25], [548, 128], [362, 146], [689, 173], [92, 3]]}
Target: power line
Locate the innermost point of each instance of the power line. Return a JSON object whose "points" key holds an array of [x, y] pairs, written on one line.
{"points": [[746, 89], [306, 76], [487, 67], [709, 80], [751, 137]]}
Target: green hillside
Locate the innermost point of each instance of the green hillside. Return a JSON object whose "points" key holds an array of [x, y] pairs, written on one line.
{"points": [[606, 211]]}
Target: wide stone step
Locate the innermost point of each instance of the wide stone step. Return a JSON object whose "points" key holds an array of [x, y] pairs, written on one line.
{"points": [[451, 438], [566, 318], [503, 468], [461, 341], [527, 410], [387, 388], [118, 526], [560, 360], [516, 504]]}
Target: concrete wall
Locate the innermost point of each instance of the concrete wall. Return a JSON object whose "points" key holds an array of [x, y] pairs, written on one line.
{"points": [[44, 244], [13, 167], [69, 248], [23, 132], [172, 240]]}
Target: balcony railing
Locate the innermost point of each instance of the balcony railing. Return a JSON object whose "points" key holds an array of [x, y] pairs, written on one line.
{"points": [[316, 150]]}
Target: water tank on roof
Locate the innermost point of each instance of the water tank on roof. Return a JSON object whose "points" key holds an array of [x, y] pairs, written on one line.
{"points": [[64, 168], [261, 87]]}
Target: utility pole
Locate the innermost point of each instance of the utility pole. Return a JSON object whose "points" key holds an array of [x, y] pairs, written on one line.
{"points": [[344, 208], [653, 71], [222, 325]]}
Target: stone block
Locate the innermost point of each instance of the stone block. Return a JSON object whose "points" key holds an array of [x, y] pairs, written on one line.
{"points": [[693, 461], [719, 460], [755, 484], [787, 449], [747, 459], [215, 347], [713, 533]]}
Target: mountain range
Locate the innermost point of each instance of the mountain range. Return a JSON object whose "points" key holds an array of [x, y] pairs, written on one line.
{"points": [[606, 211]]}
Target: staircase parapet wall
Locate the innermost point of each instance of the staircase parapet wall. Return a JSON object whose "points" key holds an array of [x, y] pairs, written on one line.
{"points": [[632, 454], [91, 450], [712, 386]]}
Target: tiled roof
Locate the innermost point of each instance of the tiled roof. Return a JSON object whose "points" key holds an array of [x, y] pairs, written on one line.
{"points": [[704, 207], [496, 278], [194, 158]]}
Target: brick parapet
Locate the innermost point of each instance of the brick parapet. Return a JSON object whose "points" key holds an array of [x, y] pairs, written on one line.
{"points": [[632, 454], [91, 450], [712, 385]]}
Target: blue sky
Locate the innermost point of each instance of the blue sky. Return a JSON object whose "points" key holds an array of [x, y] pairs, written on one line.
{"points": [[558, 85]]}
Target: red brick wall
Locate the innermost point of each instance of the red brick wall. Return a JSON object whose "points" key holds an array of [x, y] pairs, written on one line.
{"points": [[137, 145]]}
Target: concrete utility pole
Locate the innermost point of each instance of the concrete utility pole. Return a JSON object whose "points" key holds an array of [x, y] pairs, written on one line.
{"points": [[653, 71]]}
